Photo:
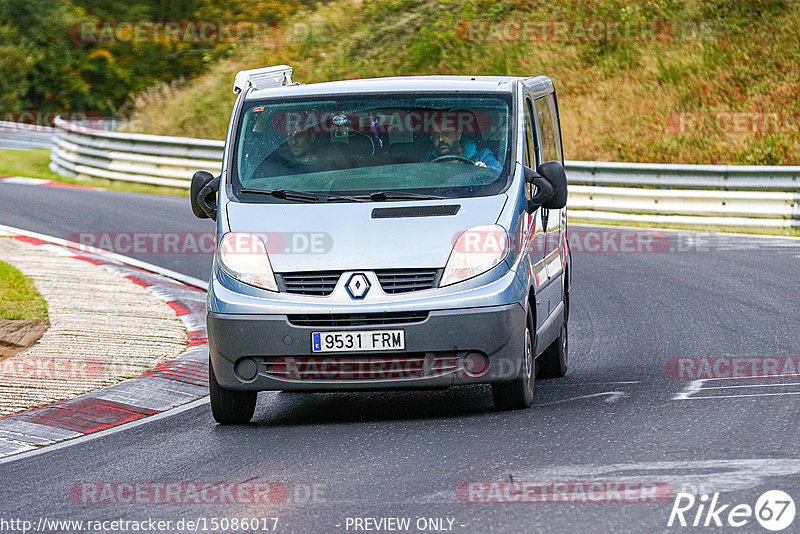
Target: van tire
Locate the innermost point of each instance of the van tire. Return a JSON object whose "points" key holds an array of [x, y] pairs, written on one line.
{"points": [[518, 394], [227, 406]]}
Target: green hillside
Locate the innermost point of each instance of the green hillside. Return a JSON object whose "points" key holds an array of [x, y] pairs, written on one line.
{"points": [[84, 56], [685, 81]]}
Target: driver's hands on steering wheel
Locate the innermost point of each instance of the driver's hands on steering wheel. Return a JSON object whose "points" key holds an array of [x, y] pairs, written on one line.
{"points": [[480, 164], [453, 157]]}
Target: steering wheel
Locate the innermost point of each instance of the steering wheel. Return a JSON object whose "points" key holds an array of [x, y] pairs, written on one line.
{"points": [[450, 157]]}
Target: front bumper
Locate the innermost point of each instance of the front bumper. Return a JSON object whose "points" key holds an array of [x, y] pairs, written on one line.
{"points": [[245, 349]]}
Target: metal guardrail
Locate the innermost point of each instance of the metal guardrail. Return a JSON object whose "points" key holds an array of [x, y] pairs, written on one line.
{"points": [[16, 136], [139, 158], [686, 195], [727, 177], [692, 195]]}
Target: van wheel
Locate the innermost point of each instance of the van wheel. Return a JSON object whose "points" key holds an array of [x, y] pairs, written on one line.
{"points": [[553, 361], [227, 406], [519, 393]]}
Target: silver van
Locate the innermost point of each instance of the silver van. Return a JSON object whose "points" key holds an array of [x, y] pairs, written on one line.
{"points": [[391, 233]]}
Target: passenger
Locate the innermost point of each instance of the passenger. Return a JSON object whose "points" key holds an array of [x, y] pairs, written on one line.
{"points": [[451, 143], [298, 155]]}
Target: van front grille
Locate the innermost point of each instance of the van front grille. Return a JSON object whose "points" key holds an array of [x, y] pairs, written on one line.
{"points": [[393, 281], [405, 280], [358, 319], [318, 283]]}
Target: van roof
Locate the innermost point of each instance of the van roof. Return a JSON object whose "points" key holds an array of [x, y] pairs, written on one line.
{"points": [[483, 84]]}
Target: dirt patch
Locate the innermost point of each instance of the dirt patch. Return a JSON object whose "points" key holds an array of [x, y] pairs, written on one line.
{"points": [[16, 336]]}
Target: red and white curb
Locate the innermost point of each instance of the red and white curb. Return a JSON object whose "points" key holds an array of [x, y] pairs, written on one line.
{"points": [[39, 181], [174, 383]]}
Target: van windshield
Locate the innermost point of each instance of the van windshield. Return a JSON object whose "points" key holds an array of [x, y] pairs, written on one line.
{"points": [[374, 147]]}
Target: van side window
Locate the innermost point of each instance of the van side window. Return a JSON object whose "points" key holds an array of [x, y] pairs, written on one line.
{"points": [[530, 150], [547, 126]]}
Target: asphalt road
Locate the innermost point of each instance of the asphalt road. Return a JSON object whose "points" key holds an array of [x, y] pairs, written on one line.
{"points": [[618, 415]]}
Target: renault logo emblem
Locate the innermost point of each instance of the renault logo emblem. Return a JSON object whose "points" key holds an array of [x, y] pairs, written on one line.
{"points": [[357, 286]]}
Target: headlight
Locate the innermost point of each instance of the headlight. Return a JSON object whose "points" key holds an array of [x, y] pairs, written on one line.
{"points": [[244, 257], [475, 251]]}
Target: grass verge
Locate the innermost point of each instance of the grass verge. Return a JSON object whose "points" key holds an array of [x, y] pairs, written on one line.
{"points": [[19, 298], [34, 164]]}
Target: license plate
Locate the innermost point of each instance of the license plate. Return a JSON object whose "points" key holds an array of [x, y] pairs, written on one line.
{"points": [[363, 340]]}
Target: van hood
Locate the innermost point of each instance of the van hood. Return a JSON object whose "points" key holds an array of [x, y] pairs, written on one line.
{"points": [[347, 236]]}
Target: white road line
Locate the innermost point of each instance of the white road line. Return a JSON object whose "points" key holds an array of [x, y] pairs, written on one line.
{"points": [[744, 395], [602, 383], [753, 386], [577, 384], [693, 387], [696, 386], [753, 377], [613, 396]]}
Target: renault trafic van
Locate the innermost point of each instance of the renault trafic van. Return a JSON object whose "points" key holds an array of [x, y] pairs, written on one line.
{"points": [[392, 233]]}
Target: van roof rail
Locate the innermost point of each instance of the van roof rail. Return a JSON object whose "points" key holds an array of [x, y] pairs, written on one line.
{"points": [[263, 78]]}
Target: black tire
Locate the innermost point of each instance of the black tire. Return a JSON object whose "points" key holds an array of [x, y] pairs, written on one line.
{"points": [[230, 407], [554, 361], [519, 393]]}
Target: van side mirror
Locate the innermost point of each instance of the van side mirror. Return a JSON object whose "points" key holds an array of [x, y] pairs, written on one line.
{"points": [[542, 192], [203, 195], [554, 173]]}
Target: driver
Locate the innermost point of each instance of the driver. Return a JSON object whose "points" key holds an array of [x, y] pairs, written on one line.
{"points": [[450, 143], [300, 147]]}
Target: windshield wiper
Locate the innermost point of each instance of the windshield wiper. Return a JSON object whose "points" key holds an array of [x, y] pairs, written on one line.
{"points": [[305, 196], [401, 195], [381, 196], [286, 194], [334, 198]]}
